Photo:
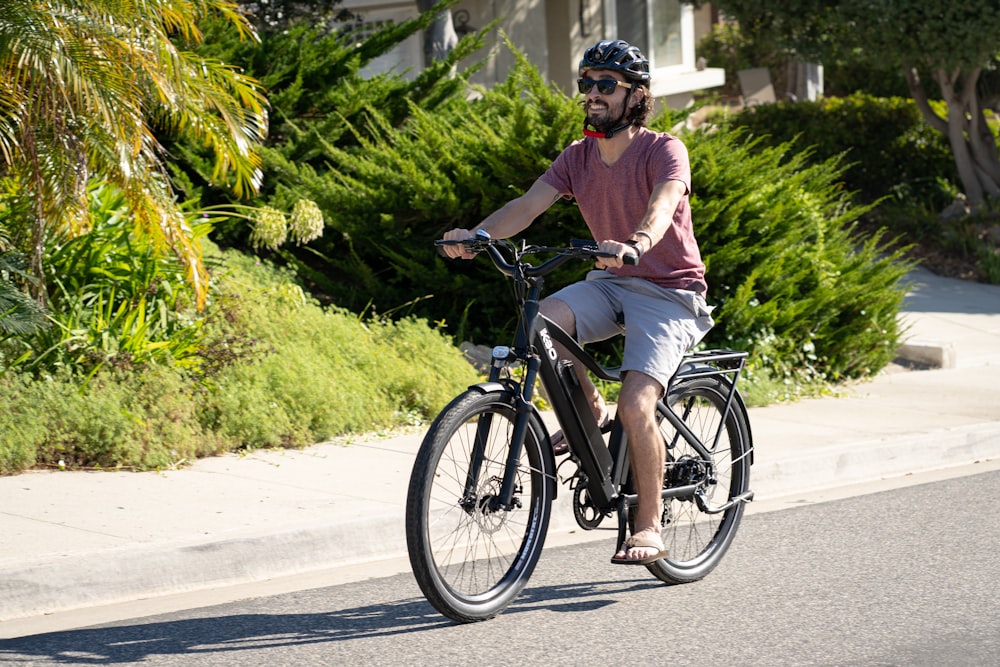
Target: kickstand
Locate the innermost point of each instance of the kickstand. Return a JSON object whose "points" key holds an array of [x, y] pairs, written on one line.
{"points": [[622, 520]]}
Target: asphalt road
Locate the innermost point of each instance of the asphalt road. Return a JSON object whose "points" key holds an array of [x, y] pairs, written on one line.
{"points": [[901, 577]]}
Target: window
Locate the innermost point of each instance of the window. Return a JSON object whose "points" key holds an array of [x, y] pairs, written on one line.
{"points": [[655, 26], [371, 15], [665, 31]]}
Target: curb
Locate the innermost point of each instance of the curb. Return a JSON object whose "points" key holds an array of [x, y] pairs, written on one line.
{"points": [[85, 580], [931, 355]]}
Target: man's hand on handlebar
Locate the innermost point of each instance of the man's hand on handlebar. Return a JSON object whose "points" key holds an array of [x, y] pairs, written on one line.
{"points": [[620, 251], [458, 249]]}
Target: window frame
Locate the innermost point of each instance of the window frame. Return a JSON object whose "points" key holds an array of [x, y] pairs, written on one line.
{"points": [[687, 36]]}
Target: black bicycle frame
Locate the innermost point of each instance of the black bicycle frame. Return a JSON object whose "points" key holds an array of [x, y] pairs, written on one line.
{"points": [[605, 466]]}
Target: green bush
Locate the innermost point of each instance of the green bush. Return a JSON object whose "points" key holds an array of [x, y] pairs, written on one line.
{"points": [[114, 299], [276, 369], [121, 420], [889, 150], [362, 375], [774, 223], [319, 372], [22, 424], [387, 200], [794, 285]]}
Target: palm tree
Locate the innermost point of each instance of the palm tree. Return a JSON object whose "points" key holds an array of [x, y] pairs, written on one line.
{"points": [[19, 314], [83, 83]]}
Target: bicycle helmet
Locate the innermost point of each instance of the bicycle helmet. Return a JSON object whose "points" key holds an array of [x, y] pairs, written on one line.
{"points": [[617, 55]]}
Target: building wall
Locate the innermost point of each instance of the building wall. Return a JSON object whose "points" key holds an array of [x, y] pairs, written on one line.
{"points": [[552, 34], [523, 21]]}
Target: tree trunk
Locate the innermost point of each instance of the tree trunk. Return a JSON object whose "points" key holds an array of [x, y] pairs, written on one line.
{"points": [[973, 146], [981, 141], [956, 137]]}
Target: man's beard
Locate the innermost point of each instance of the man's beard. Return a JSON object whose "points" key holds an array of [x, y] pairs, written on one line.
{"points": [[606, 119]]}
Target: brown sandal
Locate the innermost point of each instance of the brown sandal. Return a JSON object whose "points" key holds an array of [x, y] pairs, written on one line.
{"points": [[641, 542]]}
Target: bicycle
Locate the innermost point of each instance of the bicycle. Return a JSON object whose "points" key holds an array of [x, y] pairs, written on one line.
{"points": [[481, 490]]}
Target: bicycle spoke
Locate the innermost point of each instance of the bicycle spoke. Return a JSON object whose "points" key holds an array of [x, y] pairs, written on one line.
{"points": [[470, 554], [697, 539]]}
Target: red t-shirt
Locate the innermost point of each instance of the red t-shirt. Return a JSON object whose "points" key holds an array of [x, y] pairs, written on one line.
{"points": [[614, 199]]}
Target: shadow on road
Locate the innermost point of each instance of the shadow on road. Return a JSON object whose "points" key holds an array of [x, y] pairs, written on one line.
{"points": [[194, 637]]}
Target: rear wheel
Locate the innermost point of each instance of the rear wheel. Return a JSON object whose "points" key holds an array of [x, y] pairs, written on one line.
{"points": [[698, 539], [470, 556]]}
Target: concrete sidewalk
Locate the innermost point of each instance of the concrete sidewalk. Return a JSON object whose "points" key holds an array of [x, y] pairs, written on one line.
{"points": [[78, 539]]}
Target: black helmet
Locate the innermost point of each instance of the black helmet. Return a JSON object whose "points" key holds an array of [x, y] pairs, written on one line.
{"points": [[617, 55]]}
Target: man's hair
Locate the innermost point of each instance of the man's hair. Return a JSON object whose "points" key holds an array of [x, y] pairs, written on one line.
{"points": [[640, 114]]}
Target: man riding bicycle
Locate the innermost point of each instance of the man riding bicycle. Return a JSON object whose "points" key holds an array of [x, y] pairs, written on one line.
{"points": [[632, 186]]}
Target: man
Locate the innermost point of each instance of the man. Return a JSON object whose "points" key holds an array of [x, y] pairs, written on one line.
{"points": [[632, 187]]}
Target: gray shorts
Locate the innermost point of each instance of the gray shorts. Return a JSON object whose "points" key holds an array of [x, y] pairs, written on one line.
{"points": [[660, 324]]}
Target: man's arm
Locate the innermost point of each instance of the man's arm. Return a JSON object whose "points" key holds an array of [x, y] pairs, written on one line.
{"points": [[654, 224], [513, 217]]}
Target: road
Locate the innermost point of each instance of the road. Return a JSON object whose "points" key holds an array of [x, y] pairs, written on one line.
{"points": [[905, 576]]}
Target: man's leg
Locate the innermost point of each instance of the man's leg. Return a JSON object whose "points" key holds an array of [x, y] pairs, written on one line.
{"points": [[636, 411], [561, 314]]}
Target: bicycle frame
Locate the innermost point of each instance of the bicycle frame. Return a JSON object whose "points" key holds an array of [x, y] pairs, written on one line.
{"points": [[606, 467]]}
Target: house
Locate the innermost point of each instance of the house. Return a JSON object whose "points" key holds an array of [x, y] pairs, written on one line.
{"points": [[554, 33]]}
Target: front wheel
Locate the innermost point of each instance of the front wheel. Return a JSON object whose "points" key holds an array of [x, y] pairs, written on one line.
{"points": [[696, 539], [471, 556]]}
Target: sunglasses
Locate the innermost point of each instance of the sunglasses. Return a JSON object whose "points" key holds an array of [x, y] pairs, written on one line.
{"points": [[604, 86]]}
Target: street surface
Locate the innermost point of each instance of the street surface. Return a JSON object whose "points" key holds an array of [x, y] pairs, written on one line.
{"points": [[905, 576]]}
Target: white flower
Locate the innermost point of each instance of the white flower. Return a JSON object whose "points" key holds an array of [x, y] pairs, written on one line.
{"points": [[270, 229], [306, 223]]}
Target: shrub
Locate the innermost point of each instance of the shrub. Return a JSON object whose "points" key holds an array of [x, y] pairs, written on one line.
{"points": [[22, 424], [774, 224], [115, 298], [277, 370], [319, 372], [316, 372], [793, 284], [386, 202], [888, 149], [116, 420]]}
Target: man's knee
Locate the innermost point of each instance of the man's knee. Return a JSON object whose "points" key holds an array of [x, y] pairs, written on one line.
{"points": [[638, 397], [560, 313]]}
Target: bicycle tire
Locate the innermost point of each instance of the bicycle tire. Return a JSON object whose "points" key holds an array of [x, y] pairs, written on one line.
{"points": [[697, 540], [471, 561]]}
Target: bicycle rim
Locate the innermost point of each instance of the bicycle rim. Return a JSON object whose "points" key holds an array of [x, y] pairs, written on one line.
{"points": [[470, 558], [695, 539]]}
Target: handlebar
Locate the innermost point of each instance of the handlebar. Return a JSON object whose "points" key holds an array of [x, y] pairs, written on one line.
{"points": [[496, 248]]}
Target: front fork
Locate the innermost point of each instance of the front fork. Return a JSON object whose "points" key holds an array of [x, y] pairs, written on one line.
{"points": [[505, 499]]}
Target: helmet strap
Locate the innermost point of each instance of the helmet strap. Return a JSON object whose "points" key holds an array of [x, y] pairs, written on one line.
{"points": [[604, 135]]}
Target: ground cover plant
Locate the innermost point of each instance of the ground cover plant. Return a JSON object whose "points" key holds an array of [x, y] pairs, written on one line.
{"points": [[272, 368]]}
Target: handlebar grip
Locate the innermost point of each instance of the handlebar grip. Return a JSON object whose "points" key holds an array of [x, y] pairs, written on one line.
{"points": [[630, 258]]}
